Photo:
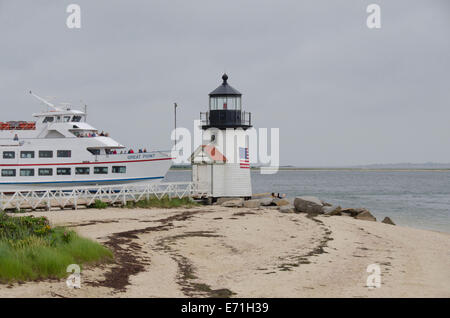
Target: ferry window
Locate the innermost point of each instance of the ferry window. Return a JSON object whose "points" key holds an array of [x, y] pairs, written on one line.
{"points": [[94, 151], [64, 153], [82, 170], [76, 119], [45, 171], [119, 169], [8, 172], [66, 119], [48, 119], [100, 170], [63, 171], [26, 172], [45, 154], [27, 154], [9, 154]]}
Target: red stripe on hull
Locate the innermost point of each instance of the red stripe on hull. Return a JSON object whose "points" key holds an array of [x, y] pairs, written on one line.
{"points": [[79, 163]]}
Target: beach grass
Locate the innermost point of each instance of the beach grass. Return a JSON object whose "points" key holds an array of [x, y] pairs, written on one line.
{"points": [[30, 249], [99, 204], [165, 202]]}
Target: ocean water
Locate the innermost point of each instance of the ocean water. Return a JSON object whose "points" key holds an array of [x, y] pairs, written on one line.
{"points": [[419, 199]]}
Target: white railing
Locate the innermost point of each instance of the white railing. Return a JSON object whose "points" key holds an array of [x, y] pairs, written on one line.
{"points": [[46, 198]]}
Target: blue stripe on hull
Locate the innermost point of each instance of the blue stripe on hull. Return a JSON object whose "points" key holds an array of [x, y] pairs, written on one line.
{"points": [[84, 181]]}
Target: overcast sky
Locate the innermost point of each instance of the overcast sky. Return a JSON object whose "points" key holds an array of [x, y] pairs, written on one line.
{"points": [[341, 94]]}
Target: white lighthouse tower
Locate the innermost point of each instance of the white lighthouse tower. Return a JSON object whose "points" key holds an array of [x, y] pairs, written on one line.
{"points": [[221, 165]]}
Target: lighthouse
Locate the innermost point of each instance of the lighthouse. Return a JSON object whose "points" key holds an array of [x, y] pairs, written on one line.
{"points": [[221, 165]]}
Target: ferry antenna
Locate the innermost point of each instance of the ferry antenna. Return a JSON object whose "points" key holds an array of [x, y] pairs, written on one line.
{"points": [[44, 101]]}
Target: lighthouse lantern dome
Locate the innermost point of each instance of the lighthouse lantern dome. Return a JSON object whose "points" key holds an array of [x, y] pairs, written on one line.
{"points": [[225, 108]]}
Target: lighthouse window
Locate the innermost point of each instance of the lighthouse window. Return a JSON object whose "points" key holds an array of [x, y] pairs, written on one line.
{"points": [[9, 154], [64, 153], [8, 172], [27, 154], [45, 171], [45, 154], [82, 170], [119, 169], [100, 170], [222, 103], [26, 172], [63, 171]]}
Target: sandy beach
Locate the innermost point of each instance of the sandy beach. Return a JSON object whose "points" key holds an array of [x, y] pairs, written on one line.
{"points": [[213, 251]]}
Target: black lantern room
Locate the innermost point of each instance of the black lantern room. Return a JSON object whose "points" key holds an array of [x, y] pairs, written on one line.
{"points": [[225, 108]]}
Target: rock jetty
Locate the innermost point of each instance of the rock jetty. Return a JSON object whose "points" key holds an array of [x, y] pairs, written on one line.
{"points": [[301, 204]]}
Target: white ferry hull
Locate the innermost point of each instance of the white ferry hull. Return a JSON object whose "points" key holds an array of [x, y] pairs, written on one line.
{"points": [[138, 171]]}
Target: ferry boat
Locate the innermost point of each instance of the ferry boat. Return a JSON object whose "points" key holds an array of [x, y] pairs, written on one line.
{"points": [[61, 149]]}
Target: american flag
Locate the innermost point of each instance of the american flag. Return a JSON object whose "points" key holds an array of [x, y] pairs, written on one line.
{"points": [[243, 156]]}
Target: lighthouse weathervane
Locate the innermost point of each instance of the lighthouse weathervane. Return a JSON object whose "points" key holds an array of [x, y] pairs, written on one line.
{"points": [[221, 165]]}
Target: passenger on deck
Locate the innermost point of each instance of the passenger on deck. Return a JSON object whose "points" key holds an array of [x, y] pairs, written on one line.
{"points": [[131, 151], [140, 150], [16, 137], [145, 150]]}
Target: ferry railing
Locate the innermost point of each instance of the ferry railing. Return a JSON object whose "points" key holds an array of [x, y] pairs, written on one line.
{"points": [[65, 197]]}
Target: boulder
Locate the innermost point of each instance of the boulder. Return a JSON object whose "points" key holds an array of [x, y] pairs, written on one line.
{"points": [[281, 202], [365, 215], [236, 203], [254, 203], [388, 220], [224, 199], [308, 204], [326, 203], [266, 201], [352, 212], [287, 209], [331, 210]]}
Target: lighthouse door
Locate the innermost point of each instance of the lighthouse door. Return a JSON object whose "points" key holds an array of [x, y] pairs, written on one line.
{"points": [[203, 178]]}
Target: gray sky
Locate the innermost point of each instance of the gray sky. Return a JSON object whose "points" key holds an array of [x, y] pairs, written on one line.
{"points": [[340, 93]]}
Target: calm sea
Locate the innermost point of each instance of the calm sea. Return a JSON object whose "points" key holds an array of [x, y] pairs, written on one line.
{"points": [[419, 199]]}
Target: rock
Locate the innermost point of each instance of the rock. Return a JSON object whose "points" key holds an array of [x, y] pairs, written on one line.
{"points": [[308, 204], [281, 202], [388, 220], [326, 203], [352, 212], [287, 209], [365, 215], [266, 201], [254, 203], [224, 199], [331, 210], [236, 203]]}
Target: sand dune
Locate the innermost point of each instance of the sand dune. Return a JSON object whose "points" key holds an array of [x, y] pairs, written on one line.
{"points": [[217, 252]]}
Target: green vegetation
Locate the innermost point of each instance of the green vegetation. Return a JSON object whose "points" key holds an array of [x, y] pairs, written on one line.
{"points": [[164, 202], [99, 204], [31, 249]]}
